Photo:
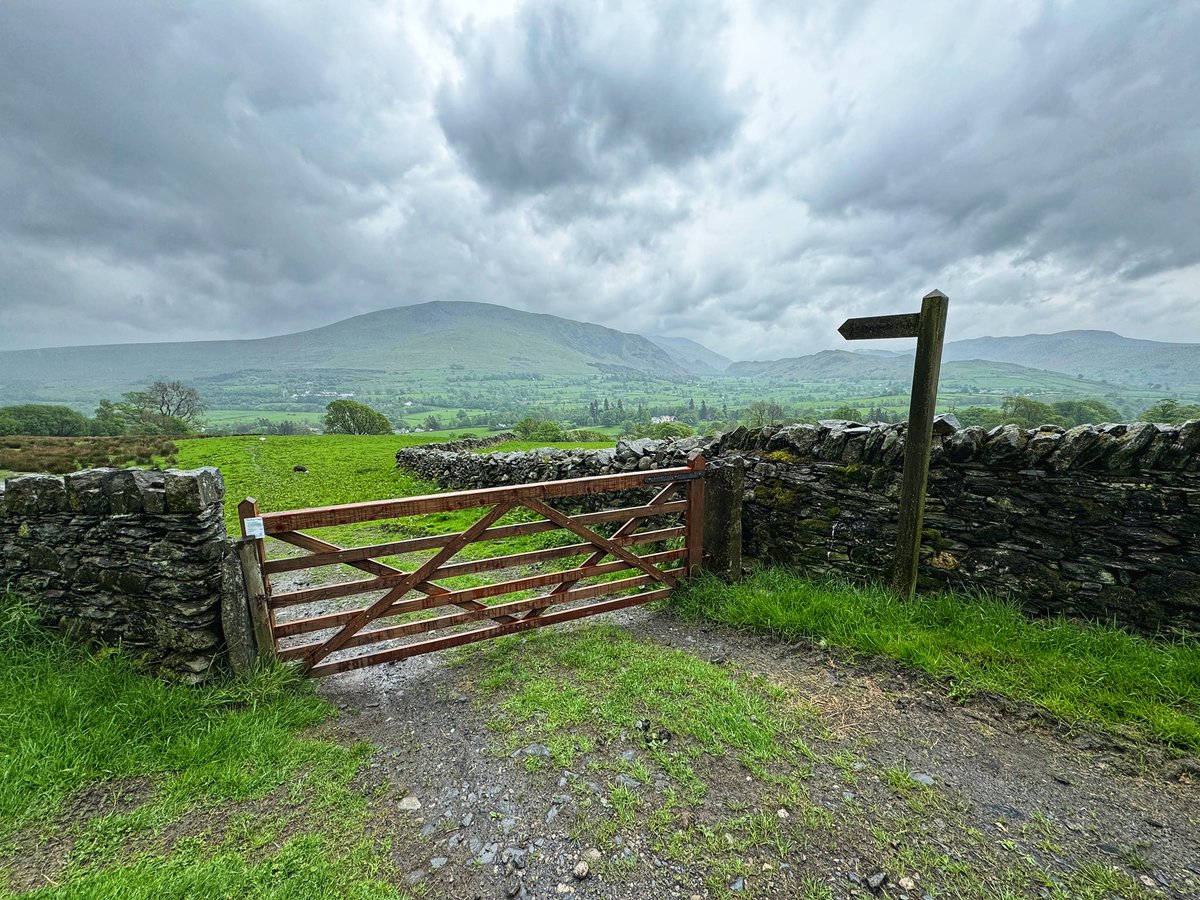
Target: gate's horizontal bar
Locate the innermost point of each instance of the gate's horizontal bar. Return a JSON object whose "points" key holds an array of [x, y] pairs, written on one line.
{"points": [[348, 513], [497, 532], [501, 609], [482, 592], [481, 634], [383, 582]]}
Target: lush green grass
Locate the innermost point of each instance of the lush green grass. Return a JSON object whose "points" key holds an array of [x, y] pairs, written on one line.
{"points": [[1093, 673], [342, 468], [72, 719], [310, 867]]}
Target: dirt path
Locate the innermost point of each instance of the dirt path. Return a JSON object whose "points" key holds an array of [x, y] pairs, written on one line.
{"points": [[907, 794]]}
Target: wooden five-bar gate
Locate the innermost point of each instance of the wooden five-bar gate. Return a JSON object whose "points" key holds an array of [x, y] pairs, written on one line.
{"points": [[319, 628]]}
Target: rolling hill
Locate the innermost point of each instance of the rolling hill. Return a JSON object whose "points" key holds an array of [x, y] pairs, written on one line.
{"points": [[861, 373], [692, 356], [398, 344], [1095, 355]]}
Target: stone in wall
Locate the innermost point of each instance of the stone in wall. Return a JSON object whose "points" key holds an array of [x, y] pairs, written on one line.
{"points": [[122, 556], [1095, 522]]}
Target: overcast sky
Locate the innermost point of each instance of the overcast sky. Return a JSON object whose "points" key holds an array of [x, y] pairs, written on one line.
{"points": [[745, 174]]}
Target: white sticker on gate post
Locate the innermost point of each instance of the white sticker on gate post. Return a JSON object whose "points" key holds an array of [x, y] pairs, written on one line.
{"points": [[254, 528]]}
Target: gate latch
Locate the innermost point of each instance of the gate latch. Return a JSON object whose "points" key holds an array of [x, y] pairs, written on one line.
{"points": [[667, 479]]}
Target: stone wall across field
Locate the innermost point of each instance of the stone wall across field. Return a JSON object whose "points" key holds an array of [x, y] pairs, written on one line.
{"points": [[125, 557], [1099, 522]]}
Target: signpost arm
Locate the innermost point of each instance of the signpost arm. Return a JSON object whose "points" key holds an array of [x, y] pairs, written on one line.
{"points": [[919, 441]]}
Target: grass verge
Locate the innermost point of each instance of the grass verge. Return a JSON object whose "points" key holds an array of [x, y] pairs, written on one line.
{"points": [[1081, 673], [228, 793]]}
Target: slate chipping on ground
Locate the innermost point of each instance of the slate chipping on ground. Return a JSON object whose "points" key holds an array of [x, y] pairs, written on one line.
{"points": [[903, 794]]}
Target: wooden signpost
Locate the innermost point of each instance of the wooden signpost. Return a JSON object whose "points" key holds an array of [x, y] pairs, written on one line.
{"points": [[929, 328]]}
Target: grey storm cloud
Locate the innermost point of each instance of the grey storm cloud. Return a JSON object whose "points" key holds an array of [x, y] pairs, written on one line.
{"points": [[573, 93], [743, 173]]}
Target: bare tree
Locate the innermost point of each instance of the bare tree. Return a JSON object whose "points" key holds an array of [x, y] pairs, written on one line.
{"points": [[763, 412], [167, 400]]}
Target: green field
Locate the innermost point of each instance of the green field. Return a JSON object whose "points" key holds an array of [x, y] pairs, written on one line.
{"points": [[342, 468], [223, 418]]}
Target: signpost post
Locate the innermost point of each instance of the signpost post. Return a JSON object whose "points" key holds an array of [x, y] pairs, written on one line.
{"points": [[929, 328]]}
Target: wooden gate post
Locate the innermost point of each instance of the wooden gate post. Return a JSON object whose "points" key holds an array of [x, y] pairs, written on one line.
{"points": [[694, 518], [256, 595], [723, 519], [929, 328], [252, 553]]}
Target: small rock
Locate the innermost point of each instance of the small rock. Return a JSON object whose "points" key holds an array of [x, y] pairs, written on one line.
{"points": [[416, 877], [907, 884], [580, 871], [409, 804], [876, 882], [487, 855], [592, 855], [738, 884], [718, 659], [625, 781], [299, 468], [551, 814], [437, 862], [783, 813], [922, 778]]}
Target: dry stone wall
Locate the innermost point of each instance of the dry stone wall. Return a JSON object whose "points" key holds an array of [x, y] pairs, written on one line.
{"points": [[1097, 522], [125, 557]]}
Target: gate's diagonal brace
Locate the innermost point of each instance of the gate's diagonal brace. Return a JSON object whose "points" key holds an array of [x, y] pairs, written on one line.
{"points": [[371, 566], [627, 528], [374, 567], [351, 628], [604, 543]]}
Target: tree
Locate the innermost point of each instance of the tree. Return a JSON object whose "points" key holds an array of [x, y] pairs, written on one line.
{"points": [[534, 428], [984, 416], [168, 400], [348, 417], [1029, 413], [1171, 412], [166, 407], [109, 419], [1086, 412], [763, 412], [41, 419], [844, 413]]}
